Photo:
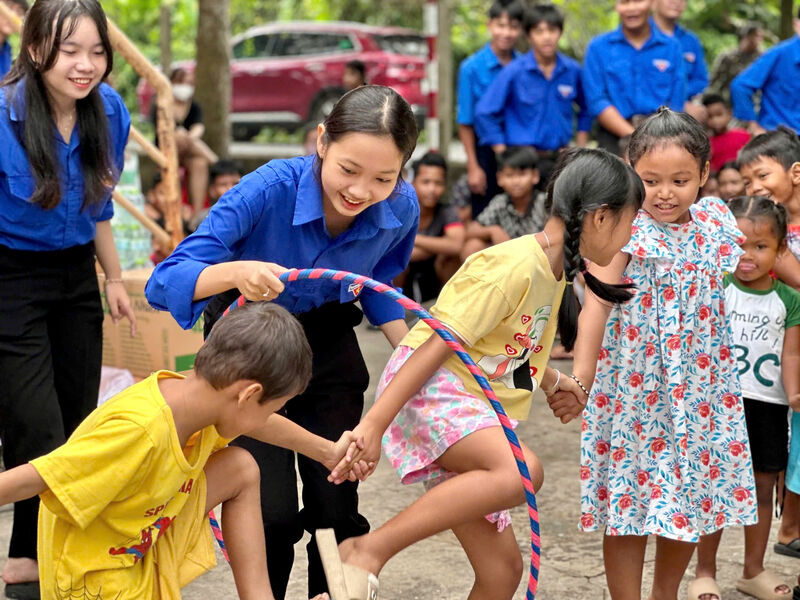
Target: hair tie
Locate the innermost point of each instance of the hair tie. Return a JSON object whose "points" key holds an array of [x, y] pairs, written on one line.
{"points": [[569, 283]]}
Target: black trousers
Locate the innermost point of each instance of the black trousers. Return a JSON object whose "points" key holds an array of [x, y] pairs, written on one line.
{"points": [[332, 404], [51, 335]]}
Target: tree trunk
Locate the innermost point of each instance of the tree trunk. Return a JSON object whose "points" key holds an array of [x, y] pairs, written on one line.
{"points": [[213, 76], [165, 37], [787, 16]]}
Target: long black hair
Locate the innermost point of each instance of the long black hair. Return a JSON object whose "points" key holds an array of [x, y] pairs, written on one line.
{"points": [[47, 25], [762, 208], [585, 180]]}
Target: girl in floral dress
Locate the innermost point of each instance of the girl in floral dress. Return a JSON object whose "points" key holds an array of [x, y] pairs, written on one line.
{"points": [[664, 448]]}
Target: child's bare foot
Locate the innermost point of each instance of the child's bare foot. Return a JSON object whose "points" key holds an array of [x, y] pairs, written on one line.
{"points": [[20, 570], [354, 552]]}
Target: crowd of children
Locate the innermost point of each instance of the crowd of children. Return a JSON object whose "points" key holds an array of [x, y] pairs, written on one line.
{"points": [[686, 372]]}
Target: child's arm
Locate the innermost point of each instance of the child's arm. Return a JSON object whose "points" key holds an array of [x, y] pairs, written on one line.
{"points": [[790, 366], [449, 244], [395, 331], [419, 367], [280, 431], [787, 268], [20, 483], [476, 230], [592, 321]]}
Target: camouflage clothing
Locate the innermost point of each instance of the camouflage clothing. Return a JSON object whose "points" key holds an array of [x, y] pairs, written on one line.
{"points": [[727, 66]]}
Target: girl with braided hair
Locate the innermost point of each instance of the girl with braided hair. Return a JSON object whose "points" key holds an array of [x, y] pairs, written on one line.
{"points": [[664, 448], [430, 413]]}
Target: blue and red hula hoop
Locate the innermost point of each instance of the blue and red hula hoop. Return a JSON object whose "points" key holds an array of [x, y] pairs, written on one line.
{"points": [[408, 304]]}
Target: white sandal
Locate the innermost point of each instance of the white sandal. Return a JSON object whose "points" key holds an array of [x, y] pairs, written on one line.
{"points": [[345, 582]]}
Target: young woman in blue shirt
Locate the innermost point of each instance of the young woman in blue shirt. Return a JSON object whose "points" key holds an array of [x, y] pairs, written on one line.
{"points": [[344, 208], [63, 136]]}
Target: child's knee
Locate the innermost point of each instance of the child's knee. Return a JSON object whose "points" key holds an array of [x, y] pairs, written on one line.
{"points": [[502, 575], [243, 467]]}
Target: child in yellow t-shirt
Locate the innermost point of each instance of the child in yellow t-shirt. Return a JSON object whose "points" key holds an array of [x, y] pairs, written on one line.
{"points": [[435, 423], [125, 499]]}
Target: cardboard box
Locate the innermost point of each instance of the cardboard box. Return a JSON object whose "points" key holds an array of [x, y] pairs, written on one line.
{"points": [[160, 343]]}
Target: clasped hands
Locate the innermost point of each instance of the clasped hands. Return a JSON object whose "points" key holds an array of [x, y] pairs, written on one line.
{"points": [[566, 399]]}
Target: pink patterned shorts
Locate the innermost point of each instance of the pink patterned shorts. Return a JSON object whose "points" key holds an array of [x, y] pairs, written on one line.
{"points": [[439, 415]]}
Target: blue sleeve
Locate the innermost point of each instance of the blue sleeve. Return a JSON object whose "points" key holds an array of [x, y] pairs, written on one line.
{"points": [[698, 78], [378, 308], [748, 82], [678, 96], [490, 111], [465, 101], [217, 240], [594, 88], [584, 116]]}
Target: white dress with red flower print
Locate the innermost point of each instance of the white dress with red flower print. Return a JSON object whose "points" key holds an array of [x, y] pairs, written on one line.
{"points": [[664, 448]]}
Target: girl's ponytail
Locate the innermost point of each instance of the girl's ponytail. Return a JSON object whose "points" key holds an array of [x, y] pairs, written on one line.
{"points": [[584, 181]]}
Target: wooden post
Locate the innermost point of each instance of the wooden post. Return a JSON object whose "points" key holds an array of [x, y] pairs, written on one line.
{"points": [[445, 99], [148, 148], [165, 35], [165, 126]]}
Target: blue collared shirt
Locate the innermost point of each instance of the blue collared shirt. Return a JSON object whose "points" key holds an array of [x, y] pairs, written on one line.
{"points": [[275, 214], [26, 226], [5, 59], [695, 65], [524, 108], [777, 74], [635, 82], [475, 75]]}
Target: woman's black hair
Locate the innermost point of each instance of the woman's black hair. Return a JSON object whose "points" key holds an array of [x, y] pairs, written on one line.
{"points": [[585, 180], [761, 207], [669, 127], [377, 110], [47, 24]]}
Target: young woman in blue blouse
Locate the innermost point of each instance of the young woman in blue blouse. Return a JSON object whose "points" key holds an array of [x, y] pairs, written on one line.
{"points": [[63, 135], [344, 208]]}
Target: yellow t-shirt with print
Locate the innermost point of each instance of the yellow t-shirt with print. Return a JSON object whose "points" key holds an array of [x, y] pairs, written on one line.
{"points": [[503, 303], [124, 515]]}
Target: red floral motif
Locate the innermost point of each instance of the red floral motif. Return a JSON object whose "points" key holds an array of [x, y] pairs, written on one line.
{"points": [[692, 290], [646, 300], [689, 266], [736, 448], [699, 239], [635, 379], [701, 215], [602, 493], [679, 391], [625, 501], [617, 407], [655, 492], [658, 445], [719, 520], [741, 494], [601, 447], [724, 352], [603, 354], [643, 477], [669, 294], [680, 520], [632, 332], [704, 457], [587, 520], [585, 473], [729, 400], [725, 250], [649, 349], [674, 341], [703, 361], [601, 400], [704, 409], [705, 504], [651, 398], [618, 454], [637, 427], [713, 472], [704, 312]]}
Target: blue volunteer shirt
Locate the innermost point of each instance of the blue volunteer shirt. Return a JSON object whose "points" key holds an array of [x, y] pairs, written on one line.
{"points": [[777, 74], [475, 75], [275, 214], [524, 108], [634, 81], [5, 59], [695, 65], [26, 226]]}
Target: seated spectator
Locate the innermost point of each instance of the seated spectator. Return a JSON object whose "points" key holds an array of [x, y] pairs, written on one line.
{"points": [[193, 154], [222, 176], [155, 207], [461, 199], [518, 211], [731, 182], [355, 75], [732, 62], [440, 237], [534, 100], [710, 187], [726, 141], [776, 74], [630, 72]]}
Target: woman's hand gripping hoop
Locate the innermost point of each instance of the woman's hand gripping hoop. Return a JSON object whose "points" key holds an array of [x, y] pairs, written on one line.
{"points": [[516, 449]]}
